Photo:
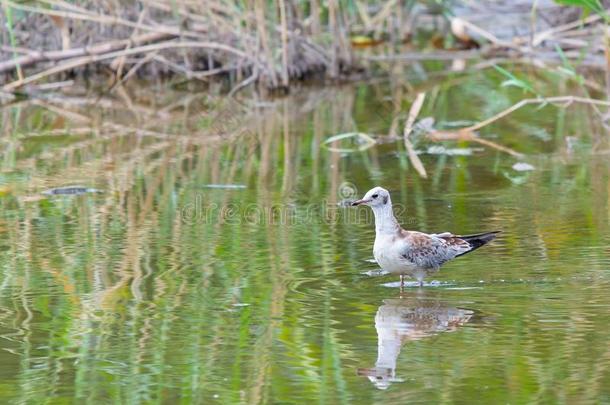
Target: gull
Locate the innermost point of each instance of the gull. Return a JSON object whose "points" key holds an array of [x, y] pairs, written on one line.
{"points": [[411, 253]]}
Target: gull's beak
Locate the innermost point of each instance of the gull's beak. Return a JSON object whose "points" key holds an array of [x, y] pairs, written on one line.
{"points": [[358, 202]]}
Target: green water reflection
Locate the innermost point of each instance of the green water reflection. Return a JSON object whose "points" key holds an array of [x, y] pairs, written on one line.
{"points": [[168, 287]]}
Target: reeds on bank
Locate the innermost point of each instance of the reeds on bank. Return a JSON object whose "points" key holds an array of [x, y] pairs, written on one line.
{"points": [[270, 43]]}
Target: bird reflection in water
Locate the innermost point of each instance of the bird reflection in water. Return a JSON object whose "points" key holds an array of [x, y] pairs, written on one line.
{"points": [[406, 319]]}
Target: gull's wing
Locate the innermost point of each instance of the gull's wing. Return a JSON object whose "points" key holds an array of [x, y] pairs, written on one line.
{"points": [[431, 251]]}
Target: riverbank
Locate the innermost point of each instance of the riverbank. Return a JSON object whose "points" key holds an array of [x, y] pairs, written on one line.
{"points": [[275, 44]]}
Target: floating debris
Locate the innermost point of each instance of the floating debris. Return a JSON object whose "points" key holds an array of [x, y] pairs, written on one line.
{"points": [[71, 190], [441, 150], [415, 284], [455, 124], [363, 142], [230, 186], [523, 167], [425, 125]]}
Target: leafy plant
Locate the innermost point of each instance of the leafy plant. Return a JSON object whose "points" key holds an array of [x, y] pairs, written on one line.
{"points": [[588, 6], [514, 81]]}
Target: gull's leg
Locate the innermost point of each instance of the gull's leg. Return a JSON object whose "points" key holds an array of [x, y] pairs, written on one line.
{"points": [[421, 282], [402, 283]]}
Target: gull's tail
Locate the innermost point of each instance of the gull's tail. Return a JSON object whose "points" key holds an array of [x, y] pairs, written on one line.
{"points": [[478, 240]]}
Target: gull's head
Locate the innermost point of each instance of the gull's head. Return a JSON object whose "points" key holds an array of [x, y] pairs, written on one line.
{"points": [[375, 197]]}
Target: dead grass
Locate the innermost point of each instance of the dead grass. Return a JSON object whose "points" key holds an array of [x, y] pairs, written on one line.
{"points": [[272, 43]]}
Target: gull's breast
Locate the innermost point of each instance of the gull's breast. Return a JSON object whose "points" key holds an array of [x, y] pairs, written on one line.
{"points": [[387, 252]]}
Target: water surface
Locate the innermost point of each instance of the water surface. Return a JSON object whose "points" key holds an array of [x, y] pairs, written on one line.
{"points": [[218, 264]]}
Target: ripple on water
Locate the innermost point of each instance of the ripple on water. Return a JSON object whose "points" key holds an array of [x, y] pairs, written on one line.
{"points": [[415, 284]]}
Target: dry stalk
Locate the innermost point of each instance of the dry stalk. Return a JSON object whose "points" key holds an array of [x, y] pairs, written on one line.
{"points": [[70, 64], [315, 17], [103, 19], [413, 113], [550, 33], [480, 31], [284, 27], [120, 61], [33, 57], [464, 135], [259, 11], [469, 133], [364, 15], [565, 100], [385, 11], [332, 21]]}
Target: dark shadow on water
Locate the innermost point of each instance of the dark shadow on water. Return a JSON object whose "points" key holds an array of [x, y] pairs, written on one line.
{"points": [[409, 318]]}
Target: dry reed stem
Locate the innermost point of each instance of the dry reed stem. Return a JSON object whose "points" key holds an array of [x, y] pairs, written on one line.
{"points": [[413, 113], [364, 15], [383, 14], [132, 71], [485, 34], [259, 11], [463, 135], [70, 64], [548, 34], [315, 17], [468, 133], [17, 49], [103, 19], [284, 35], [33, 57], [120, 61], [332, 22], [566, 100], [248, 81]]}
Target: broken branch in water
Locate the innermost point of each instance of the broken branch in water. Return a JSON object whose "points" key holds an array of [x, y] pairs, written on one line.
{"points": [[469, 136], [469, 133], [565, 100], [413, 113]]}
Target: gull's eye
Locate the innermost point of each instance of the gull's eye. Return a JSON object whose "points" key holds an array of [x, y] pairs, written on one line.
{"points": [[375, 195]]}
